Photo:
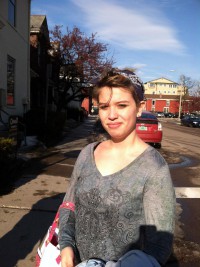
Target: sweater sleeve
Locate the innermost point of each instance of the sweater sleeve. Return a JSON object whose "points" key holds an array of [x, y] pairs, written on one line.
{"points": [[66, 211], [159, 207]]}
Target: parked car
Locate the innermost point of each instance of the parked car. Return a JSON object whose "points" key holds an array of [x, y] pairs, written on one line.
{"points": [[191, 120], [159, 114], [149, 129], [169, 115]]}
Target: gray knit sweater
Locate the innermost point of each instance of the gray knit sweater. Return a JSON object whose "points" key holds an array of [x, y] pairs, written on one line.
{"points": [[132, 208]]}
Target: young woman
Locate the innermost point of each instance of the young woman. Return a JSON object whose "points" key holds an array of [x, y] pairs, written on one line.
{"points": [[121, 196]]}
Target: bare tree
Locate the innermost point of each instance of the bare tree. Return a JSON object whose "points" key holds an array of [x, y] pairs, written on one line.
{"points": [[191, 94], [187, 83], [80, 60], [196, 97], [196, 91]]}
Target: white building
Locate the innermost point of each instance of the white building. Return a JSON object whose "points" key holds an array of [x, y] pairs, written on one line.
{"points": [[163, 86], [14, 58]]}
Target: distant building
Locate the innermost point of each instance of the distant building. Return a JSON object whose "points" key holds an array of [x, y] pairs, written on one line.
{"points": [[163, 95], [39, 46], [15, 58], [162, 86]]}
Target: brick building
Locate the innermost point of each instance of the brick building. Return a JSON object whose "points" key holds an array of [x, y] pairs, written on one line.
{"points": [[163, 95]]}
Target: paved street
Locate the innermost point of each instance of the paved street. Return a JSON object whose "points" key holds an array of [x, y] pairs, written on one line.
{"points": [[27, 212], [185, 142]]}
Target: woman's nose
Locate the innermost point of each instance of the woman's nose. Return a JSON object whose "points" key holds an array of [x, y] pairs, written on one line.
{"points": [[112, 113]]}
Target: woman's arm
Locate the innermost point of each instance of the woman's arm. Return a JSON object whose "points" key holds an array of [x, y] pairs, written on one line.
{"points": [[67, 226], [159, 208], [67, 215], [67, 257]]}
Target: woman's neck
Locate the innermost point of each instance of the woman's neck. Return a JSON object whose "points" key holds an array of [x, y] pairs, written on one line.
{"points": [[130, 141]]}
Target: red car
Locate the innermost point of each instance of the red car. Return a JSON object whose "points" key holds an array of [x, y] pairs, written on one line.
{"points": [[149, 129]]}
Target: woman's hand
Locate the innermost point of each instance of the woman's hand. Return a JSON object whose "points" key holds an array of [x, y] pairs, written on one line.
{"points": [[67, 257]]}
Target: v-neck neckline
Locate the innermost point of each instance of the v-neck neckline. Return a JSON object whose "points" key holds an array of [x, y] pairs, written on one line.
{"points": [[119, 171]]}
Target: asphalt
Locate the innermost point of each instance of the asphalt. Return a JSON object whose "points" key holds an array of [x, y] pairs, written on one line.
{"points": [[28, 210]]}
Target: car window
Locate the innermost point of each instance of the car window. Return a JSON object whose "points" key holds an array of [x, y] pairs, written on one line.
{"points": [[195, 118], [148, 116], [186, 117]]}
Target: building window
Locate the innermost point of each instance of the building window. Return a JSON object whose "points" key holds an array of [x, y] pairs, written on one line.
{"points": [[151, 85], [10, 81], [167, 103], [153, 102], [11, 12], [172, 85]]}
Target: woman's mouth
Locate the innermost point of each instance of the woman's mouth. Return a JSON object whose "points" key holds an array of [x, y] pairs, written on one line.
{"points": [[113, 125]]}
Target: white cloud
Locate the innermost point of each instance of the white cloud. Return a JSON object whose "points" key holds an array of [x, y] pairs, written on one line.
{"points": [[139, 65], [130, 28]]}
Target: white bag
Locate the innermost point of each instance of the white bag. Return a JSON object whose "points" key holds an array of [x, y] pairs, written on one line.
{"points": [[48, 254], [51, 257]]}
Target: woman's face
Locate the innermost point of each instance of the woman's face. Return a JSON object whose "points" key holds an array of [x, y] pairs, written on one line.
{"points": [[117, 112]]}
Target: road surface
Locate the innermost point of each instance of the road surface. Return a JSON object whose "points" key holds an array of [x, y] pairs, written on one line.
{"points": [[184, 142]]}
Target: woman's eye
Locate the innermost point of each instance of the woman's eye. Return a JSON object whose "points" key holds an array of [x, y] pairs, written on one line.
{"points": [[103, 107], [122, 105]]}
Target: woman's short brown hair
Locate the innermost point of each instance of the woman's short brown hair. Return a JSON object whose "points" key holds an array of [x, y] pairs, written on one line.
{"points": [[121, 78]]}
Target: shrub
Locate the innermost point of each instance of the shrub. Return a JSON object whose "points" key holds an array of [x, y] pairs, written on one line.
{"points": [[9, 165], [6, 148]]}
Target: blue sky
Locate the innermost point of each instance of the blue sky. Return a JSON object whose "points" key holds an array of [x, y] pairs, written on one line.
{"points": [[161, 38]]}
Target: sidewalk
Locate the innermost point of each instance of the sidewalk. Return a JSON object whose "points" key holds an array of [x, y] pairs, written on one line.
{"points": [[27, 212]]}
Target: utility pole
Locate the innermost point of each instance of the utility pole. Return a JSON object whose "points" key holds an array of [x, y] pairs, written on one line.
{"points": [[180, 99], [180, 105]]}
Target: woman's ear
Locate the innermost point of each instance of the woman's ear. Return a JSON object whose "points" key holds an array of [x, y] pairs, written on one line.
{"points": [[140, 108]]}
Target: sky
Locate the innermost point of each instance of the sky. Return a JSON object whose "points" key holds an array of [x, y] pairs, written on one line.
{"points": [[160, 38]]}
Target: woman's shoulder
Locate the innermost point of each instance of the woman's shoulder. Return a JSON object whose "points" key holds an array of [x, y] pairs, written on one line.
{"points": [[153, 157], [85, 155], [88, 149], [90, 146]]}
